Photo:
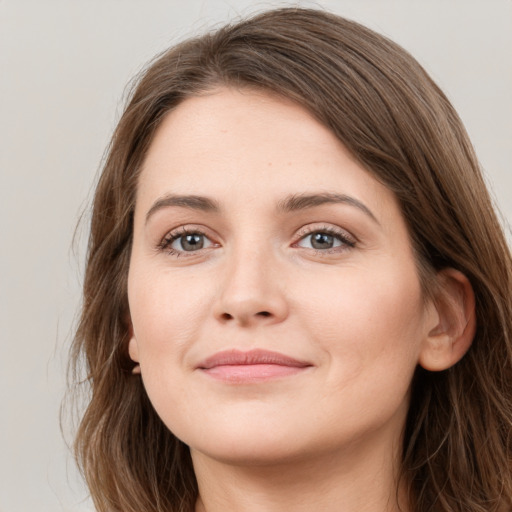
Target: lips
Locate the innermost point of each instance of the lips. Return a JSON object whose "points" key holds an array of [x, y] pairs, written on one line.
{"points": [[255, 365]]}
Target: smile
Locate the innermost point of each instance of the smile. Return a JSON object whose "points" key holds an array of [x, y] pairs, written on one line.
{"points": [[253, 366]]}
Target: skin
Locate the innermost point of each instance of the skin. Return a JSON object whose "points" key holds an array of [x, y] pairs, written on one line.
{"points": [[328, 436]]}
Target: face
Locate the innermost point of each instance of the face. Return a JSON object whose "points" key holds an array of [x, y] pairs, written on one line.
{"points": [[274, 297]]}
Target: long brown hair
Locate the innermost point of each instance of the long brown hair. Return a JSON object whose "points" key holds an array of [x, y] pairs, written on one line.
{"points": [[386, 110]]}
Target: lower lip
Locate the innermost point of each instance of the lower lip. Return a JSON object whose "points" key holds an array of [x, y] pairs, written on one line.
{"points": [[240, 373]]}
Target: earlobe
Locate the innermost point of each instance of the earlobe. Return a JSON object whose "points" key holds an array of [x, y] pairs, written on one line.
{"points": [[450, 338], [133, 352]]}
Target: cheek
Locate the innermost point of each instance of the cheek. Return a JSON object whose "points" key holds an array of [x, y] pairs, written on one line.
{"points": [[369, 329], [167, 311], [367, 322]]}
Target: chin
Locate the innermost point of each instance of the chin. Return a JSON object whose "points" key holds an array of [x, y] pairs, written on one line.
{"points": [[242, 451], [250, 442]]}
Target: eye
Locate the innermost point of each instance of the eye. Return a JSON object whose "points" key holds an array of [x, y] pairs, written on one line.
{"points": [[184, 241], [192, 242], [326, 239]]}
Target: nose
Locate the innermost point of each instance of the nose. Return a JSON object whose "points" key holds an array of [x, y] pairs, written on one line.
{"points": [[252, 292]]}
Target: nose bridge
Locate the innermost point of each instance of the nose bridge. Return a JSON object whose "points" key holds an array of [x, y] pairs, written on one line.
{"points": [[252, 290]]}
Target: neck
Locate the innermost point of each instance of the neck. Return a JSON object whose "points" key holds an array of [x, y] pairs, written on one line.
{"points": [[352, 480]]}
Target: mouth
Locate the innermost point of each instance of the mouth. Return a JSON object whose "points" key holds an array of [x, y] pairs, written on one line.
{"points": [[257, 365]]}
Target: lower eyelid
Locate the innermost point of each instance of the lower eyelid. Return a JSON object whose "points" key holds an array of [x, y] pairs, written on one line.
{"points": [[343, 246]]}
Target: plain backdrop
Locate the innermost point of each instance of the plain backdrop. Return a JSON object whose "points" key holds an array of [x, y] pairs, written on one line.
{"points": [[64, 66]]}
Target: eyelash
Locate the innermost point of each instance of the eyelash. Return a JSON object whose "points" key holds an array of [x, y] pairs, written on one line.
{"points": [[348, 241], [166, 244]]}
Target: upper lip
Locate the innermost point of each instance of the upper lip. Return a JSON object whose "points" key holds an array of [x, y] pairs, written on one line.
{"points": [[255, 356]]}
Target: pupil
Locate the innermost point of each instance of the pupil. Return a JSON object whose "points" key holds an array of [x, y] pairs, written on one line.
{"points": [[192, 242], [322, 241]]}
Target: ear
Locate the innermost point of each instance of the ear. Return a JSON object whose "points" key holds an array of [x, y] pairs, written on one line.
{"points": [[133, 350], [453, 328]]}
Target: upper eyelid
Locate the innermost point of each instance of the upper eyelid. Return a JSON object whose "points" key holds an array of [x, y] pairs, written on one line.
{"points": [[306, 229], [319, 228], [187, 229]]}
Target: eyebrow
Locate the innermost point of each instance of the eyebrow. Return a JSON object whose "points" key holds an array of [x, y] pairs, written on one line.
{"points": [[298, 202], [292, 203], [200, 203]]}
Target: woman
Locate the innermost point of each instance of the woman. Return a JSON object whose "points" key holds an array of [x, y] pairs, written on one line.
{"points": [[297, 294]]}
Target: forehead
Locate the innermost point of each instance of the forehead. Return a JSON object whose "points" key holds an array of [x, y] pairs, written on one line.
{"points": [[253, 145]]}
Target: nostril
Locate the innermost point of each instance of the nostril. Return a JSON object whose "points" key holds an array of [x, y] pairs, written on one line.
{"points": [[227, 317]]}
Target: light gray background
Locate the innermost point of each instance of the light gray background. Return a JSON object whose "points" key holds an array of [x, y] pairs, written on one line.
{"points": [[63, 69]]}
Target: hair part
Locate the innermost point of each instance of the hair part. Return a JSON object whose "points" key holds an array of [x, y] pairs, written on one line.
{"points": [[396, 122]]}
